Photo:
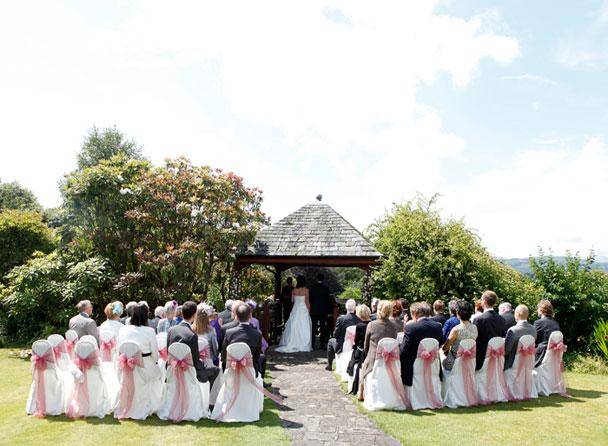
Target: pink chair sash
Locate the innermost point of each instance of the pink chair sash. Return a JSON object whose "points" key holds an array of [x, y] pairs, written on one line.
{"points": [[525, 365], [181, 400], [467, 368], [106, 348], [557, 349], [242, 367], [204, 354], [350, 337], [59, 349], [163, 353], [127, 388], [492, 371], [79, 400], [428, 357], [39, 366], [69, 348], [390, 358]]}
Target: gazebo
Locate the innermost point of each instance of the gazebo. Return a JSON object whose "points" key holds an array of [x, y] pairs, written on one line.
{"points": [[314, 235]]}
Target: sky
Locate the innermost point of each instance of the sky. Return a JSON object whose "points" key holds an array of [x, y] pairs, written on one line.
{"points": [[499, 107]]}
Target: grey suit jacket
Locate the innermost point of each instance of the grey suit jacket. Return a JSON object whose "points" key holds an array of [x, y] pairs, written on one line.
{"points": [[514, 334], [82, 324]]}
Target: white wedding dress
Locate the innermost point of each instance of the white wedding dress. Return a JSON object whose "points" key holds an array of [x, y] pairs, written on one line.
{"points": [[298, 329]]}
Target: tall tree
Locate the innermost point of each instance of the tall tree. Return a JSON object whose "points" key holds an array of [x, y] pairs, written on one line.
{"points": [[15, 196], [104, 144]]}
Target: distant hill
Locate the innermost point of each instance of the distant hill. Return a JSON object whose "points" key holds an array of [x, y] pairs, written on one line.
{"points": [[523, 265]]}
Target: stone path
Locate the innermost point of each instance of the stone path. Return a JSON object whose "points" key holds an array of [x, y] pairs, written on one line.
{"points": [[318, 412]]}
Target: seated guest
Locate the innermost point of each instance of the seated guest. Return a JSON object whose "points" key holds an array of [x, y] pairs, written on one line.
{"points": [[159, 313], [203, 329], [422, 327], [452, 321], [506, 312], [489, 324], [478, 309], [169, 320], [544, 327], [226, 315], [178, 315], [129, 310], [255, 323], [364, 315], [382, 327], [232, 323], [374, 308], [82, 323], [405, 308], [183, 332], [464, 330], [521, 327], [397, 315], [112, 324], [215, 323], [438, 310], [334, 346], [244, 332]]}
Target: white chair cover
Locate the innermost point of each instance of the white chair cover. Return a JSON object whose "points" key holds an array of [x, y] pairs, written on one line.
{"points": [[62, 356], [109, 349], [91, 339], [182, 388], [426, 385], [137, 398], [205, 351], [520, 377], [238, 399], [71, 337], [46, 395], [163, 353], [88, 396], [549, 374], [490, 379], [459, 384], [379, 388], [343, 358]]}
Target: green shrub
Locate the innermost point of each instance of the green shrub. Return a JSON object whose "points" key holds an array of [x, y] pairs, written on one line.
{"points": [[600, 338], [586, 363], [351, 292]]}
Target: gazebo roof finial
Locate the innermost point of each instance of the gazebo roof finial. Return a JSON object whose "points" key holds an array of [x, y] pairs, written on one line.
{"points": [[319, 197]]}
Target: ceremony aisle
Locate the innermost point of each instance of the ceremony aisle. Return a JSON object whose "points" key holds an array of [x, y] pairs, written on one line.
{"points": [[16, 428]]}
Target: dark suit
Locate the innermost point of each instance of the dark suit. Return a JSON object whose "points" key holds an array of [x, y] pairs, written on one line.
{"points": [[183, 333], [441, 318], [512, 338], [509, 318], [321, 306], [544, 327], [412, 335], [489, 324], [245, 332], [224, 328], [335, 344], [285, 302]]}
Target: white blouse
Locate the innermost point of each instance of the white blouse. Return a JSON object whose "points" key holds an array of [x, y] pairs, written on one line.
{"points": [[111, 326], [142, 336]]}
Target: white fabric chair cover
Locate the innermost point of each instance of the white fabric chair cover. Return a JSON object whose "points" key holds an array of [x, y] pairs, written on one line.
{"points": [[343, 358], [249, 401], [379, 389], [98, 401], [108, 369], [145, 392], [203, 346], [197, 408], [107, 342], [90, 338], [490, 389], [521, 381], [161, 343], [71, 337], [62, 357], [459, 384], [54, 396], [549, 374], [419, 395]]}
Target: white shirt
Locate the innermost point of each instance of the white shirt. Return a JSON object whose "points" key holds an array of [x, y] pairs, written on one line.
{"points": [[111, 326], [142, 336]]}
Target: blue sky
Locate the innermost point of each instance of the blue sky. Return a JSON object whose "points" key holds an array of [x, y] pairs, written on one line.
{"points": [[500, 107]]}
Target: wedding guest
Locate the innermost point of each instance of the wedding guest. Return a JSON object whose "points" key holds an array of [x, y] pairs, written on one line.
{"points": [[439, 314], [506, 312], [544, 327], [183, 332], [129, 310], [285, 299], [452, 321], [321, 307], [397, 315], [215, 323], [335, 344], [478, 309], [169, 320], [382, 327], [489, 324], [202, 327], [178, 315], [464, 330], [234, 322], [255, 323], [364, 314], [522, 327], [244, 332], [405, 311], [82, 323], [112, 323], [159, 313], [422, 327], [374, 308], [226, 315]]}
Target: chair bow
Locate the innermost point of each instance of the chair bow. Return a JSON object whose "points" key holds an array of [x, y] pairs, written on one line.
{"points": [[69, 347], [204, 354], [59, 349], [85, 364], [557, 349], [125, 362], [558, 346], [428, 355], [242, 363], [466, 353], [350, 337], [526, 351], [106, 348], [163, 353], [182, 364], [388, 355], [496, 352], [39, 362]]}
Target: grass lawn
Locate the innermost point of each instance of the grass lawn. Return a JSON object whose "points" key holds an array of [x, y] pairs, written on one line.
{"points": [[581, 419], [16, 428]]}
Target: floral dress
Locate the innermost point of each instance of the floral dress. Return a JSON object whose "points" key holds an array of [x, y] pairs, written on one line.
{"points": [[465, 331]]}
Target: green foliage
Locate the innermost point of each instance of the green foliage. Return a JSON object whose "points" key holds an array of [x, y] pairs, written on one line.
{"points": [[104, 144], [586, 363], [15, 196], [600, 338], [351, 292], [22, 233], [578, 294]]}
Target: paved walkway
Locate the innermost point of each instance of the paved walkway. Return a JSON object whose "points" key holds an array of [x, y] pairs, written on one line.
{"points": [[318, 412]]}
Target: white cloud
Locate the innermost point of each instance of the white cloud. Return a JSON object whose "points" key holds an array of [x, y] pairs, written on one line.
{"points": [[532, 78]]}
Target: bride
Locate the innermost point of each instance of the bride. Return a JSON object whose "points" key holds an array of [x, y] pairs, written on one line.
{"points": [[298, 328]]}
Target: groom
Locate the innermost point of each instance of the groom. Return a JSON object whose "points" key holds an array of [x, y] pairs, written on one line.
{"points": [[321, 306]]}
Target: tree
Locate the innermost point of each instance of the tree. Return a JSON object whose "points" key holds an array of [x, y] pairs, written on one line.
{"points": [[103, 144], [15, 196]]}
